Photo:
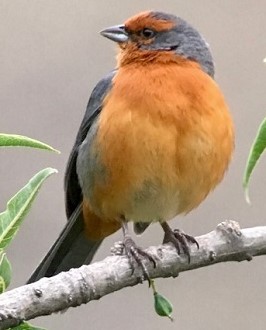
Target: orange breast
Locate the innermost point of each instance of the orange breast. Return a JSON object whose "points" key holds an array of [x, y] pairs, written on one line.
{"points": [[165, 138]]}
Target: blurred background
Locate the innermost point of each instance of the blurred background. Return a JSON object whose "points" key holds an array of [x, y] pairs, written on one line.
{"points": [[51, 57]]}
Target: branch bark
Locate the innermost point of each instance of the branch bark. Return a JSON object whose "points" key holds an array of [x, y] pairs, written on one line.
{"points": [[79, 286]]}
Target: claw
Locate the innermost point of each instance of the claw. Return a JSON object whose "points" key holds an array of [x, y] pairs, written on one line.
{"points": [[179, 240], [135, 254]]}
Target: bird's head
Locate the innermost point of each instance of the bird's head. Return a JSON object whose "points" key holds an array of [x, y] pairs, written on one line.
{"points": [[148, 35]]}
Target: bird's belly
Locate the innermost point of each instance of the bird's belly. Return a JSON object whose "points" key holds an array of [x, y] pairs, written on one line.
{"points": [[152, 201], [139, 188], [127, 178], [151, 158], [147, 172]]}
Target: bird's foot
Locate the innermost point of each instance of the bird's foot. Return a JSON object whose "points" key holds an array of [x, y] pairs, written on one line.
{"points": [[179, 239], [137, 256]]}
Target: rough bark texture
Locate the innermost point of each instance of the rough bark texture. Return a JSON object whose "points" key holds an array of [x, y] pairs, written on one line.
{"points": [[78, 286]]}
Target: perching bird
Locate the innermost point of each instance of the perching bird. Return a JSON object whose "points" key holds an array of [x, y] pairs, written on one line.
{"points": [[156, 138]]}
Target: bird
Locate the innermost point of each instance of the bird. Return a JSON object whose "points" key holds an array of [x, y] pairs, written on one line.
{"points": [[156, 138]]}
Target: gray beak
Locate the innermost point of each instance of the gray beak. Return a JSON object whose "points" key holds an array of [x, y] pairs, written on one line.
{"points": [[115, 33]]}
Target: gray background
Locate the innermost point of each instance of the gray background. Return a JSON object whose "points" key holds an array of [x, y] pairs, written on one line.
{"points": [[51, 57]]}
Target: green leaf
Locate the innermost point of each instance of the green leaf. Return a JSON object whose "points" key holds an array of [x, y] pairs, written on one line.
{"points": [[19, 205], [162, 306], [12, 140], [26, 326], [256, 151], [5, 272]]}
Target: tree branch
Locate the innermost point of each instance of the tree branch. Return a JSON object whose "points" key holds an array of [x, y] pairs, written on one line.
{"points": [[78, 286]]}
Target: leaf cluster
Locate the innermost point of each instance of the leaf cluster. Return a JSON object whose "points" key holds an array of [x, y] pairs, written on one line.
{"points": [[17, 208]]}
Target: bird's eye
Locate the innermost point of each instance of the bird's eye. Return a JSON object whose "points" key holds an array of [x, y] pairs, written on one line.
{"points": [[147, 33]]}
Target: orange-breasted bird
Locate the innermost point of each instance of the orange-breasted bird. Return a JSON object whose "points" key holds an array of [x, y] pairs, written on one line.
{"points": [[156, 138]]}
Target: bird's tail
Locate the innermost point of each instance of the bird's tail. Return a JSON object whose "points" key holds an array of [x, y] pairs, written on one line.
{"points": [[71, 250]]}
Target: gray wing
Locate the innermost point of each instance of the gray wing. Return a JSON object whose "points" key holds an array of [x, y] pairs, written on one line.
{"points": [[73, 195], [72, 249]]}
